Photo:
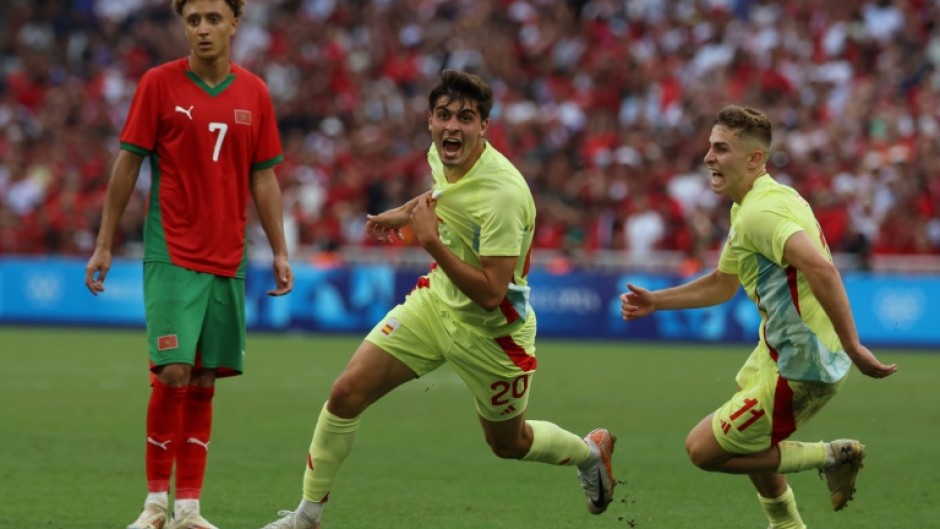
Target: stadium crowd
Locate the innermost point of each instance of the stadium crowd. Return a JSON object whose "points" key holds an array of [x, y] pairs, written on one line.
{"points": [[605, 106]]}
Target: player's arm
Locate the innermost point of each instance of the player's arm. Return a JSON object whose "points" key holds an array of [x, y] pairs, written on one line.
{"points": [[267, 196], [386, 226], [120, 188], [711, 289], [486, 286], [826, 283]]}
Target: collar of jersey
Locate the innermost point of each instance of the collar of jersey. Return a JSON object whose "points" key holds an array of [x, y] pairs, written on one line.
{"points": [[211, 90]]}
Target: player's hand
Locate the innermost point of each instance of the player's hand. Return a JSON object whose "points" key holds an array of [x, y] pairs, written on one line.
{"points": [[868, 364], [636, 303], [283, 277], [386, 226], [424, 221], [97, 269]]}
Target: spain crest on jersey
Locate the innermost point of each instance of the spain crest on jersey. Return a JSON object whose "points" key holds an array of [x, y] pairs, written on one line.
{"points": [[390, 326]]}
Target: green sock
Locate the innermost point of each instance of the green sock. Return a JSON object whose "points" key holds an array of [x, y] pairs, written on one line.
{"points": [[332, 442], [796, 456], [555, 446], [782, 512]]}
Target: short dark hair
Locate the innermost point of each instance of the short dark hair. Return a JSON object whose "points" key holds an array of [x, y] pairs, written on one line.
{"points": [[237, 6], [747, 122], [463, 86]]}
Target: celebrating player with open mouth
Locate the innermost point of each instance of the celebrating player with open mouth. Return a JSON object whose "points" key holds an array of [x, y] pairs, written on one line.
{"points": [[472, 310], [808, 340]]}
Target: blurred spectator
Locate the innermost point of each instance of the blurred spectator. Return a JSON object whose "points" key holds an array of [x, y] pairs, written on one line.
{"points": [[599, 102]]}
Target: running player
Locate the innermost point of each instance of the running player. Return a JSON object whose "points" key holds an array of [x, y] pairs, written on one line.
{"points": [[807, 340], [472, 310]]}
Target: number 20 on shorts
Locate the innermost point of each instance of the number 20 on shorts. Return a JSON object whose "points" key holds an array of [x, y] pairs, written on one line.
{"points": [[501, 388]]}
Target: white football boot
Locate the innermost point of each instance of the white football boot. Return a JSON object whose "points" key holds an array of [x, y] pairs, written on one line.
{"points": [[153, 516], [597, 475], [843, 461]]}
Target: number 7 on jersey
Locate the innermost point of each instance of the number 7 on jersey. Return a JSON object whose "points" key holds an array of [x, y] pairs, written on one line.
{"points": [[223, 128]]}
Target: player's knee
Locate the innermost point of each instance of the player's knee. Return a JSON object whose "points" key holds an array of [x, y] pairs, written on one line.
{"points": [[174, 375], [345, 400], [508, 450], [699, 455]]}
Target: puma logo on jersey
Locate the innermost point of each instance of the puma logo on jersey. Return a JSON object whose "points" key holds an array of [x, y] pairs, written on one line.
{"points": [[195, 441], [188, 111], [162, 445]]}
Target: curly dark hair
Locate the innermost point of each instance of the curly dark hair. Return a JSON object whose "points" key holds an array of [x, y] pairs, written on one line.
{"points": [[463, 86], [237, 6]]}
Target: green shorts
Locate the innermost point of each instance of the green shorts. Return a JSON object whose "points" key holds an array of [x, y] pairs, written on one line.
{"points": [[194, 318], [767, 408], [424, 334]]}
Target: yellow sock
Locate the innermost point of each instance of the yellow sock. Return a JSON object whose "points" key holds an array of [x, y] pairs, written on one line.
{"points": [[796, 456], [332, 442], [553, 445], [782, 512]]}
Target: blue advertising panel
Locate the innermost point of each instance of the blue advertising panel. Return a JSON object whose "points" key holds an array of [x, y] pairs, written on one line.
{"points": [[323, 299], [52, 290], [588, 305], [897, 309], [889, 310]]}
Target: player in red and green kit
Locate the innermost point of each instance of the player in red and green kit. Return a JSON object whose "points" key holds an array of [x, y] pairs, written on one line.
{"points": [[209, 130], [472, 311], [807, 340]]}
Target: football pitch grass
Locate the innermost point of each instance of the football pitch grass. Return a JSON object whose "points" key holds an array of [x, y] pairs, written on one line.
{"points": [[72, 406]]}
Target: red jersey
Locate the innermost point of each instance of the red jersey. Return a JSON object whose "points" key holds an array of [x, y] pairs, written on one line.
{"points": [[203, 142]]}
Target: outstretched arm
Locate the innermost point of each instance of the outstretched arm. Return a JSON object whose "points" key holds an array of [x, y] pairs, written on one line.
{"points": [[267, 196], [711, 289], [120, 188], [826, 283]]}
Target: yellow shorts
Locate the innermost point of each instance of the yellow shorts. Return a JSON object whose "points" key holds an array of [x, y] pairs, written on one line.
{"points": [[424, 334], [767, 408]]}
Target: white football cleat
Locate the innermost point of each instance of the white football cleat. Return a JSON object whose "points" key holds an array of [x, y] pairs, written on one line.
{"points": [[152, 517], [597, 476], [843, 461], [293, 520], [190, 520]]}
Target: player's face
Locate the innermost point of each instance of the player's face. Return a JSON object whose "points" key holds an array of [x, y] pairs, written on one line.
{"points": [[210, 26], [457, 131], [730, 162]]}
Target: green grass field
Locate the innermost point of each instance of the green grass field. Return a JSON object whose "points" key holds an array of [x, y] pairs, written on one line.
{"points": [[72, 406]]}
